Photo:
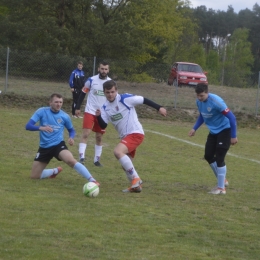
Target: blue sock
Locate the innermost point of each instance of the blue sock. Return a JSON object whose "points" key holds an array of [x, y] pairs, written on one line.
{"points": [[221, 176], [46, 173], [82, 170], [214, 168]]}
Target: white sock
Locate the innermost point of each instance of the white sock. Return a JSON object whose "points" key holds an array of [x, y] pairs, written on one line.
{"points": [[48, 172], [98, 152], [82, 149], [129, 167]]}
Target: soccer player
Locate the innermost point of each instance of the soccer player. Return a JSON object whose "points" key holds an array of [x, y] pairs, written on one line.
{"points": [[76, 81], [119, 109], [94, 88], [52, 121], [221, 123]]}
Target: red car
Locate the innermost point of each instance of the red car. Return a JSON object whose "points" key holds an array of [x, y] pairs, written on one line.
{"points": [[186, 73]]}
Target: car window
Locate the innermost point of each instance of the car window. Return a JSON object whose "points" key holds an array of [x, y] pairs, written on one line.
{"points": [[195, 68]]}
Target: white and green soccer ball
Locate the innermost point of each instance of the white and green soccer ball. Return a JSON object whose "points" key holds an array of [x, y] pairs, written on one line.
{"points": [[91, 190]]}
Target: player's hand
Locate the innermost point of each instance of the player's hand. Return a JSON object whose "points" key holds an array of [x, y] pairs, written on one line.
{"points": [[162, 111], [192, 132], [77, 112], [98, 112], [234, 141], [71, 141], [47, 129], [72, 89]]}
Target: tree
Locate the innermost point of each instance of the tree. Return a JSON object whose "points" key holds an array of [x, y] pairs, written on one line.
{"points": [[239, 59]]}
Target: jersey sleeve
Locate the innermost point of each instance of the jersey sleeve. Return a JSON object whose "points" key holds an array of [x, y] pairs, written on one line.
{"points": [[131, 100], [87, 85]]}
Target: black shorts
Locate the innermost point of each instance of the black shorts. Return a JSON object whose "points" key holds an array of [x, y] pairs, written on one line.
{"points": [[220, 140], [46, 154]]}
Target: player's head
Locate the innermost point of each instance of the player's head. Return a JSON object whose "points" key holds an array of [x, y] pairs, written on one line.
{"points": [[103, 69], [202, 91], [80, 65], [110, 90], [56, 101]]}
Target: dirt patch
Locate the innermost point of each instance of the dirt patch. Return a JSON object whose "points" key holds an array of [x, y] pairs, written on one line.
{"points": [[12, 100]]}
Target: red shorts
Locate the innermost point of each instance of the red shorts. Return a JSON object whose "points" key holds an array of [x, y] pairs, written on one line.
{"points": [[132, 141], [90, 122]]}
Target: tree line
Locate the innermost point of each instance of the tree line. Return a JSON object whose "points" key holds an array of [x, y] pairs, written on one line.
{"points": [[226, 44]]}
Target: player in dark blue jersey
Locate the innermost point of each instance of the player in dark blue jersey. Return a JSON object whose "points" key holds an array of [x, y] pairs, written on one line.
{"points": [[52, 122], [221, 123]]}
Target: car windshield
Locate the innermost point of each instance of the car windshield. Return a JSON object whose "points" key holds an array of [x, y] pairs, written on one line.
{"points": [[190, 68]]}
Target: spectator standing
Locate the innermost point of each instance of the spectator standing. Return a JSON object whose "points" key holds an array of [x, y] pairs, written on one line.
{"points": [[221, 123], [76, 82], [94, 88]]}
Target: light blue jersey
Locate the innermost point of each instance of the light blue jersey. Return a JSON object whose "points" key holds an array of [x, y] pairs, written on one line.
{"points": [[57, 121], [212, 111]]}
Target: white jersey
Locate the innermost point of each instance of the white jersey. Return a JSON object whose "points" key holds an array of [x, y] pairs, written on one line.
{"points": [[96, 97], [121, 113]]}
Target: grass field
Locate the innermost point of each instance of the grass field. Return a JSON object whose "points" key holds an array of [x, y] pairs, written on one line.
{"points": [[172, 218]]}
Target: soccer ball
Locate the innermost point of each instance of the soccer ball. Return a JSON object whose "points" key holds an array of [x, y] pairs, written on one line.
{"points": [[91, 189]]}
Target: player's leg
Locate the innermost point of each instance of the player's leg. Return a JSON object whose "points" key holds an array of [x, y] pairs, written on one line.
{"points": [[98, 146], [98, 149], [74, 102], [210, 151], [223, 145], [43, 157], [88, 122], [125, 152], [67, 157]]}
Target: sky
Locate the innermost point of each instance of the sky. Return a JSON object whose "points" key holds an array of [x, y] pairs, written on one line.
{"points": [[222, 5]]}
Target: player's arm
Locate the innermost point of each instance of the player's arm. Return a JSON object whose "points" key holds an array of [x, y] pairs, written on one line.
{"points": [[82, 95], [158, 107], [32, 127], [100, 120], [232, 120], [71, 80], [198, 123], [72, 133]]}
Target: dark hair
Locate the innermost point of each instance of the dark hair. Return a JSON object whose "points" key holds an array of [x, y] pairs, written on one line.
{"points": [[80, 62], [201, 87], [109, 84], [55, 95], [103, 63]]}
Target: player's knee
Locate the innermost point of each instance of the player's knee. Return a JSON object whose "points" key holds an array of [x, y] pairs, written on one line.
{"points": [[220, 163], [209, 159]]}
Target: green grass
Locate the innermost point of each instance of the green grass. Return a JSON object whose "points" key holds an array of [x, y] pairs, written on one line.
{"points": [[172, 218]]}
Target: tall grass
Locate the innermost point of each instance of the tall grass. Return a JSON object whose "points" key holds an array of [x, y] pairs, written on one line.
{"points": [[172, 218]]}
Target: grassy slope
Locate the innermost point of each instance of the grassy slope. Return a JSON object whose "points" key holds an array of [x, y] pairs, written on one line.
{"points": [[173, 218]]}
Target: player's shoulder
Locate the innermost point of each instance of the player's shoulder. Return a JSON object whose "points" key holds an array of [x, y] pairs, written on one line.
{"points": [[125, 95], [215, 99], [43, 109]]}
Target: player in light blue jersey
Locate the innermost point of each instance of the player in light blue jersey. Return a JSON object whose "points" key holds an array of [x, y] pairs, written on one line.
{"points": [[221, 123], [52, 122]]}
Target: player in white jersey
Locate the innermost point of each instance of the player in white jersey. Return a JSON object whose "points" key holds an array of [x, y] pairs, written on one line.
{"points": [[120, 111], [94, 88]]}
